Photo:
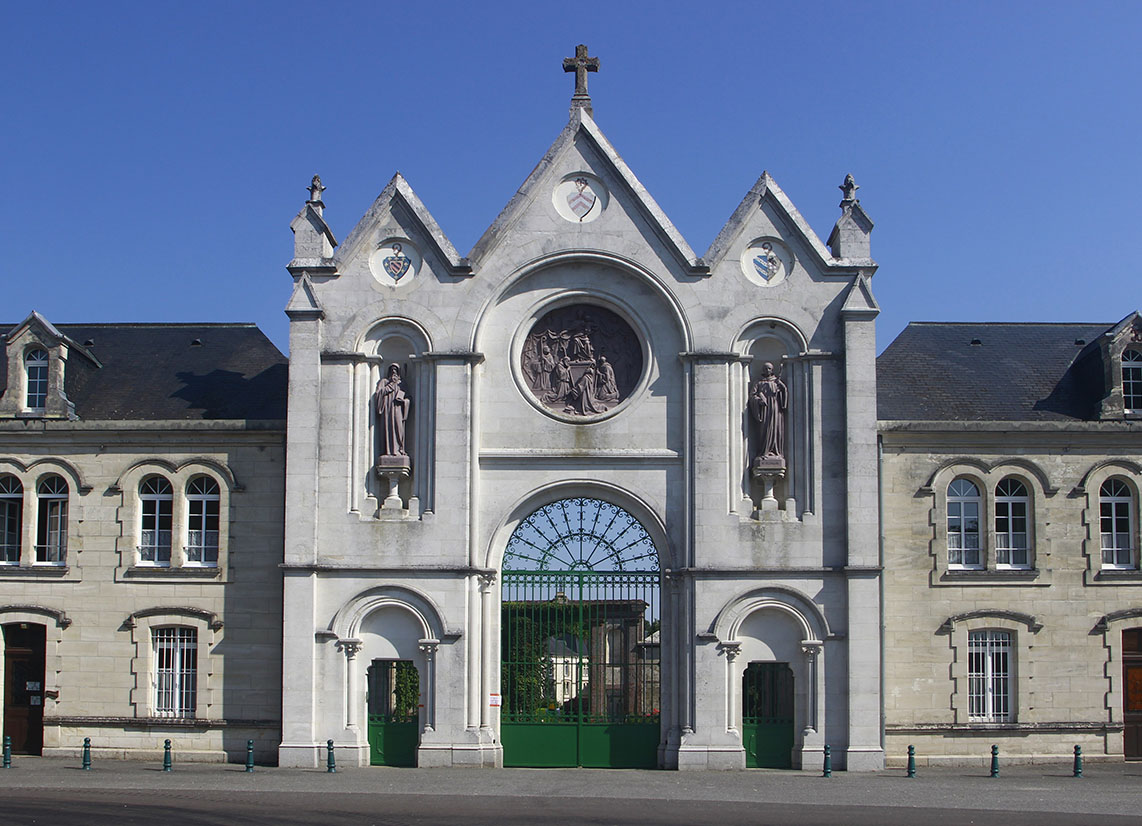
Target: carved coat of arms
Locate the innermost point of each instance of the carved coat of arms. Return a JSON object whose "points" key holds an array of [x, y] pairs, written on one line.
{"points": [[582, 200], [397, 264]]}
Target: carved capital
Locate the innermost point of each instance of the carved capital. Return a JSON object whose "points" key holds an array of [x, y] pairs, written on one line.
{"points": [[487, 580], [428, 648], [731, 648], [811, 649], [350, 647]]}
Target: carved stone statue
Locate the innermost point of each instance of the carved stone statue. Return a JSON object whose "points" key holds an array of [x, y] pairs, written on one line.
{"points": [[392, 412], [768, 399]]}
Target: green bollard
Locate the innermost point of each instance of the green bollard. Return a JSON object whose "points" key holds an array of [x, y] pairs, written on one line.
{"points": [[167, 756], [249, 755], [1078, 761], [7, 752], [911, 761], [995, 761], [828, 772], [87, 754], [330, 764]]}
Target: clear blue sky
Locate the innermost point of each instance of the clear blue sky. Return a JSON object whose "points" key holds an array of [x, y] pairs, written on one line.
{"points": [[154, 153]]}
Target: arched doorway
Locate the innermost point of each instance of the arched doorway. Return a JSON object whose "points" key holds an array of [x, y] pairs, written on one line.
{"points": [[580, 646], [24, 658]]}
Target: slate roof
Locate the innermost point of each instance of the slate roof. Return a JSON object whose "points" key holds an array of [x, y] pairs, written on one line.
{"points": [[157, 371], [1016, 372]]}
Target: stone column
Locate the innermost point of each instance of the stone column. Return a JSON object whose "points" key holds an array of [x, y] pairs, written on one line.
{"points": [[731, 649], [350, 647], [487, 663], [428, 649]]}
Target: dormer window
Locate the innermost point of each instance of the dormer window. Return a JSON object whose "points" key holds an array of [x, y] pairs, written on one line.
{"points": [[1132, 381], [36, 365]]}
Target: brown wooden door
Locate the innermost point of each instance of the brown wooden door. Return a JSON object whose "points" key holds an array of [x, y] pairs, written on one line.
{"points": [[1132, 692], [24, 687]]}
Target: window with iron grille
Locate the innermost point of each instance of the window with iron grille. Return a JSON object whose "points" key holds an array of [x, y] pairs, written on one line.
{"points": [[1132, 381], [1116, 524], [964, 506], [157, 507], [11, 519], [989, 676], [176, 671], [202, 521], [1011, 508], [51, 527], [36, 364]]}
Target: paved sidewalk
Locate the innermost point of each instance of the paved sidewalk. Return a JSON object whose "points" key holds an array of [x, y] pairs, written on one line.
{"points": [[1106, 788]]}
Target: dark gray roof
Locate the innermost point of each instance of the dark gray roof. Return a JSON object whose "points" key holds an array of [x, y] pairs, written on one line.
{"points": [[158, 371], [1016, 372]]}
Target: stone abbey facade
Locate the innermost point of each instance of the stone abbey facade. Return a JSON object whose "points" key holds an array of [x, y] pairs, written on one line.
{"points": [[582, 497]]}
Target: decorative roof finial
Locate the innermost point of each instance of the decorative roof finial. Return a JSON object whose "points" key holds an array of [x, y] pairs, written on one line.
{"points": [[848, 190], [315, 190], [580, 64]]}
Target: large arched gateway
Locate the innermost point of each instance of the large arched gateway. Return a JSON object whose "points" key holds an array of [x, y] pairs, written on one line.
{"points": [[580, 647]]}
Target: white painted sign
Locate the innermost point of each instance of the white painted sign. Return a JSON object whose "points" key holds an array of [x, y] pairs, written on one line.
{"points": [[495, 700]]}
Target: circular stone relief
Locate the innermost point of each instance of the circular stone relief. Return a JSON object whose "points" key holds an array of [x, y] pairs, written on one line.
{"points": [[580, 198], [395, 261], [581, 360], [767, 261]]}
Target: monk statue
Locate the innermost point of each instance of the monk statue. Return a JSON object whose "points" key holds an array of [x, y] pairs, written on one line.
{"points": [[392, 412], [768, 399]]}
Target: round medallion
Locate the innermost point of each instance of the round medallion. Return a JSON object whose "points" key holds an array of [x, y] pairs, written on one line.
{"points": [[580, 198], [767, 261], [581, 360], [395, 261]]}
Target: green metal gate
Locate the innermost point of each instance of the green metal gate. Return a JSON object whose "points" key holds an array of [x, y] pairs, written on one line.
{"points": [[767, 716], [580, 640], [393, 700]]}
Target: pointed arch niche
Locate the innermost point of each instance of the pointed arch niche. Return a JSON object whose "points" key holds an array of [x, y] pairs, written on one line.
{"points": [[771, 340], [404, 343]]}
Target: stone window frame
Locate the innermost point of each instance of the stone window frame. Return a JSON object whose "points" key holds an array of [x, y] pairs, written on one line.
{"points": [[1132, 383], [962, 500], [9, 496], [989, 642], [208, 628], [52, 504], [30, 478], [31, 335], [1090, 489], [131, 565], [986, 477], [151, 507], [33, 360], [1022, 628]]}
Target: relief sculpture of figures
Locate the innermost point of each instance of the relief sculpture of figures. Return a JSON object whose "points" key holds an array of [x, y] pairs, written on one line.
{"points": [[392, 412], [768, 398]]}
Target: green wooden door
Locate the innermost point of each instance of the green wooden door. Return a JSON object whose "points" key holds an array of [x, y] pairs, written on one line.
{"points": [[393, 701], [579, 640], [767, 716]]}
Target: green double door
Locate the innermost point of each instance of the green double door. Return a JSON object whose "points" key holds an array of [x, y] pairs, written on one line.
{"points": [[393, 706], [767, 715]]}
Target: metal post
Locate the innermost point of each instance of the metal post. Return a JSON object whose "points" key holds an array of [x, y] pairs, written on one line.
{"points": [[828, 772], [167, 756], [249, 755], [7, 752], [911, 761], [87, 754], [330, 764], [1078, 761], [995, 761]]}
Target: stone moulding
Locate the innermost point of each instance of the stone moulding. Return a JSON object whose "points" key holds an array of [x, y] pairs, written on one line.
{"points": [[209, 617], [158, 722], [60, 617], [1033, 625], [1015, 728]]}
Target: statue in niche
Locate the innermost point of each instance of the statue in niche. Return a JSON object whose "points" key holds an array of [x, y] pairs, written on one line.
{"points": [[392, 412], [768, 399]]}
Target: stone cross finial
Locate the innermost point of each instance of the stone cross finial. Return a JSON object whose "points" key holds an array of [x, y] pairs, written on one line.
{"points": [[848, 190], [315, 190], [580, 64]]}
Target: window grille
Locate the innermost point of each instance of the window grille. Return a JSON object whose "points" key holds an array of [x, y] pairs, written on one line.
{"points": [[202, 531], [1011, 508], [11, 519], [176, 671], [36, 364], [1132, 381], [989, 676], [157, 507], [51, 530], [1116, 524], [963, 525]]}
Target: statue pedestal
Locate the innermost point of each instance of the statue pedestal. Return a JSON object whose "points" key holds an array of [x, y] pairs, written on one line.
{"points": [[768, 469], [392, 469]]}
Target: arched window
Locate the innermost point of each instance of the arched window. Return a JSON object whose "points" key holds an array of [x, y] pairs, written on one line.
{"points": [[11, 519], [157, 502], [36, 364], [963, 525], [1116, 523], [1132, 381], [51, 526], [202, 501], [1011, 510]]}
